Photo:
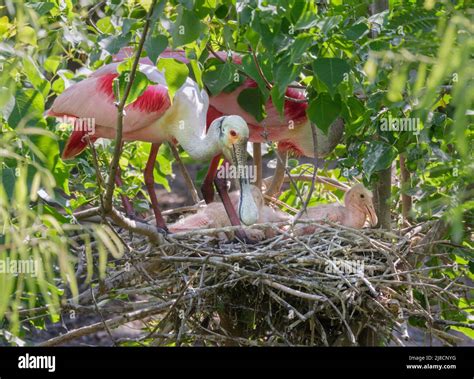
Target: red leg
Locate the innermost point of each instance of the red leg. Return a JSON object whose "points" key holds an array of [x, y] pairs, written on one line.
{"points": [[207, 187], [221, 185], [150, 185]]}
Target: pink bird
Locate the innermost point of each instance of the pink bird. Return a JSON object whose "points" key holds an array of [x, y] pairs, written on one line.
{"points": [[293, 131], [213, 216], [154, 118], [357, 207]]}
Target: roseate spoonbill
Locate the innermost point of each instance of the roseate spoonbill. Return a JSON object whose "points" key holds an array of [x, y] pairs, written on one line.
{"points": [[153, 118], [293, 132], [213, 216], [357, 207]]}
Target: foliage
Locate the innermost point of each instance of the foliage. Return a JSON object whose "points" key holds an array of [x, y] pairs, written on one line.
{"points": [[418, 67]]}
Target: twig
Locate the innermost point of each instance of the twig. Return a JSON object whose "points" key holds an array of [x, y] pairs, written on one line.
{"points": [[126, 223], [267, 83], [102, 318], [187, 178], [120, 114]]}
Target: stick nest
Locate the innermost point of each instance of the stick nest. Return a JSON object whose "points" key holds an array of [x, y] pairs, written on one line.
{"points": [[339, 286]]}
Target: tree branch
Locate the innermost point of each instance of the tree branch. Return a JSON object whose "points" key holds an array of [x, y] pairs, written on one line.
{"points": [[107, 207]]}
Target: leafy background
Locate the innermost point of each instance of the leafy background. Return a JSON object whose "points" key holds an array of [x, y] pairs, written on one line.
{"points": [[419, 65]]}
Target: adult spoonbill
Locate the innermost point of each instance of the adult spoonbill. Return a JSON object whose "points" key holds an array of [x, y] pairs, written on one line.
{"points": [[153, 118], [358, 206], [293, 131]]}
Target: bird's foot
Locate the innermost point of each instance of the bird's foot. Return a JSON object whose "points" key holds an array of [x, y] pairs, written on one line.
{"points": [[163, 230], [242, 237]]}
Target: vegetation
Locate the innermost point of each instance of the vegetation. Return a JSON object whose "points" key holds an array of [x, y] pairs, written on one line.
{"points": [[411, 63]]}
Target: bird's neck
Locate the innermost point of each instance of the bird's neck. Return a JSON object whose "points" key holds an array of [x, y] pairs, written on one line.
{"points": [[198, 146], [356, 217], [185, 121]]}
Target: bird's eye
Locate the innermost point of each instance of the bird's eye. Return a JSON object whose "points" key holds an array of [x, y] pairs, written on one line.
{"points": [[362, 196], [233, 133]]}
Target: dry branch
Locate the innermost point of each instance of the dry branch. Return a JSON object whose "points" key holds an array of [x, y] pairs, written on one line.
{"points": [[337, 286]]}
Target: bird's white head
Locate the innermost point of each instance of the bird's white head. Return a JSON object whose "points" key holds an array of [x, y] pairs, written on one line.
{"points": [[360, 198], [233, 130], [233, 137]]}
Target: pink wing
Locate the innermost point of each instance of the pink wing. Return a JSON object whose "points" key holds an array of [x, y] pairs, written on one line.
{"points": [[227, 103], [93, 99], [331, 212], [212, 216], [200, 220], [268, 214], [292, 132]]}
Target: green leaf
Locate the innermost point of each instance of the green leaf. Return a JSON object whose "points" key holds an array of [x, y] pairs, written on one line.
{"points": [[52, 63], [8, 180], [155, 45], [378, 156], [113, 44], [163, 167], [29, 108], [300, 46], [278, 100], [466, 331], [218, 76], [129, 24], [324, 110], [105, 25], [175, 72], [265, 35], [248, 66], [49, 148], [58, 86], [252, 101], [197, 72], [331, 71], [284, 74], [126, 65], [7, 101], [27, 34], [327, 24], [42, 7], [222, 11], [35, 76], [187, 28], [356, 31], [139, 85]]}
